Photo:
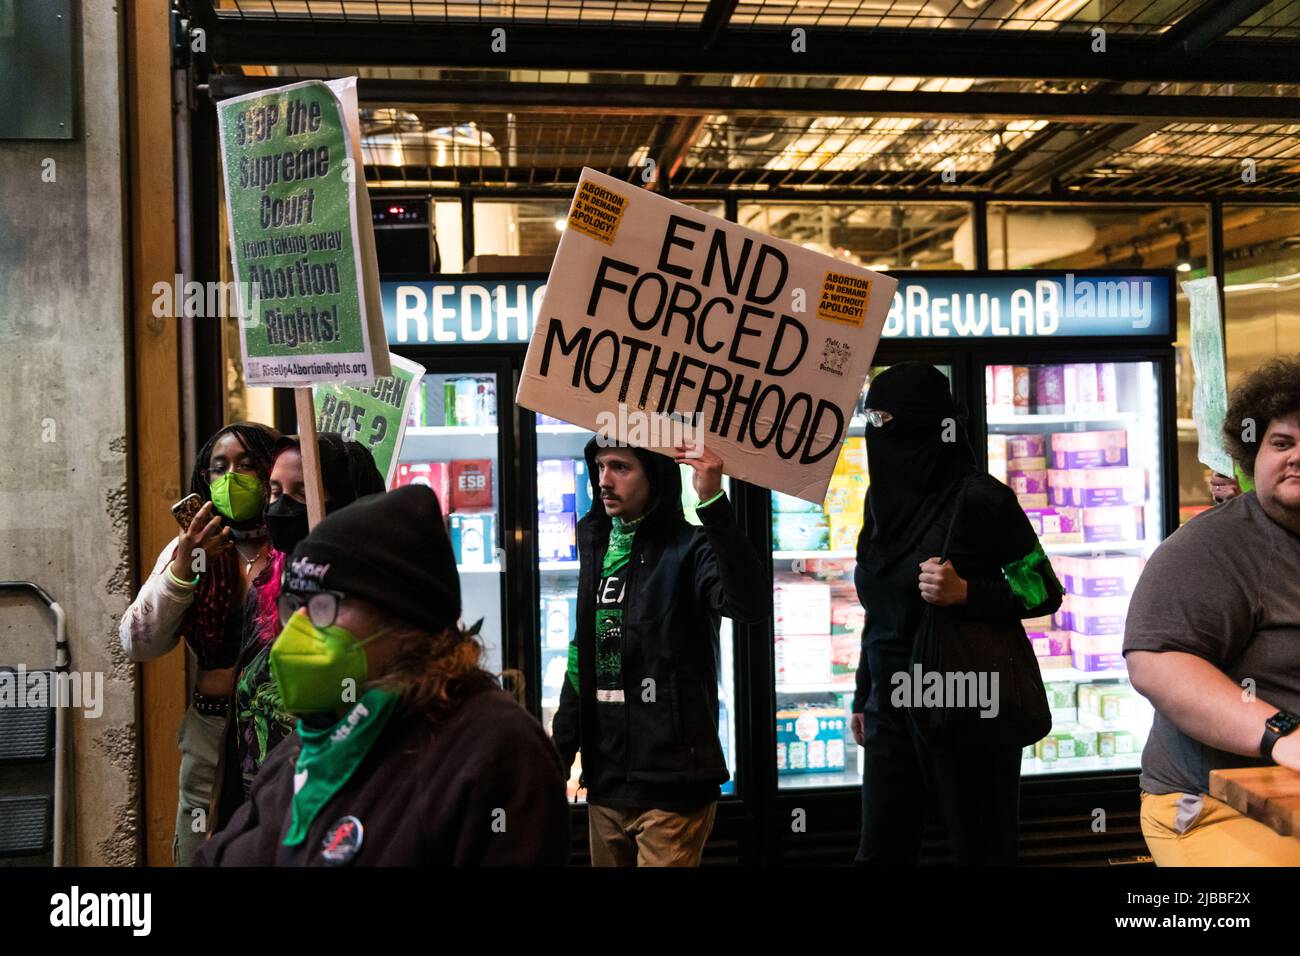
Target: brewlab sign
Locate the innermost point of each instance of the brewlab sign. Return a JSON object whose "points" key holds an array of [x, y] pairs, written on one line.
{"points": [[300, 236], [654, 309]]}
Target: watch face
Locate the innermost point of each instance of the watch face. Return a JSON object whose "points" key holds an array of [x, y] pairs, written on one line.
{"points": [[1283, 723]]}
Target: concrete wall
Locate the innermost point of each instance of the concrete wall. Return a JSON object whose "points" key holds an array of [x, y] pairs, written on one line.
{"points": [[63, 380]]}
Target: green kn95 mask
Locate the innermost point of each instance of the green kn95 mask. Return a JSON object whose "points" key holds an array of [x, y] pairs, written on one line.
{"points": [[238, 496], [317, 669]]}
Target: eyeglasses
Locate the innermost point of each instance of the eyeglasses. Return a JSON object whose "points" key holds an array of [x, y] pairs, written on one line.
{"points": [[221, 467], [878, 418], [322, 606]]}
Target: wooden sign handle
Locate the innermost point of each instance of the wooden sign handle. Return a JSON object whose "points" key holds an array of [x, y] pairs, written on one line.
{"points": [[311, 475]]}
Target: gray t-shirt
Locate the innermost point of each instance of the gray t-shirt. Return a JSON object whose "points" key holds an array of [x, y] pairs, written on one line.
{"points": [[1225, 587]]}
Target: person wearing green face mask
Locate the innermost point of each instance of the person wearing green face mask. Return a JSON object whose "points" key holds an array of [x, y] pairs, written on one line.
{"points": [[197, 590], [405, 750]]}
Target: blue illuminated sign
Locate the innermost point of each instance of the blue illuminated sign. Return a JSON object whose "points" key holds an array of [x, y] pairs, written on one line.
{"points": [[471, 310]]}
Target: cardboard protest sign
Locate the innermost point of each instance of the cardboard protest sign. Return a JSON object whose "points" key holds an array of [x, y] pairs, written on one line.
{"points": [[374, 415], [1210, 391], [301, 238], [660, 320]]}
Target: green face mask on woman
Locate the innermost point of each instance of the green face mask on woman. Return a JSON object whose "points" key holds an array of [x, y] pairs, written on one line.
{"points": [[318, 669], [238, 496]]}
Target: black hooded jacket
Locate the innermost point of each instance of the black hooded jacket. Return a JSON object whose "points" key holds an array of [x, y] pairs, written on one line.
{"points": [[681, 581]]}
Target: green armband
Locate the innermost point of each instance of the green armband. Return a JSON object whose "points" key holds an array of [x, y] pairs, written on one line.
{"points": [[178, 582], [1026, 579], [705, 504]]}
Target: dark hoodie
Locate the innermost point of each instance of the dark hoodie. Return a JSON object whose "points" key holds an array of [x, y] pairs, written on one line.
{"points": [[681, 580]]}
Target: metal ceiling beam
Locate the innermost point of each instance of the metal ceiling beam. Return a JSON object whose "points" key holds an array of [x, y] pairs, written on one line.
{"points": [[1081, 155], [646, 49], [695, 100], [1208, 23], [715, 20]]}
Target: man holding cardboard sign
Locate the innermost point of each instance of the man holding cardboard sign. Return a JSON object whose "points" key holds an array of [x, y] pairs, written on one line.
{"points": [[654, 309], [641, 696]]}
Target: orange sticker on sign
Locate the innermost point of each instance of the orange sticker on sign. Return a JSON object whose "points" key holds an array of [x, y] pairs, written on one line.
{"points": [[844, 299], [597, 211]]}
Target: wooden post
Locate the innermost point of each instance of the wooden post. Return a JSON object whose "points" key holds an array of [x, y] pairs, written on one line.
{"points": [[311, 476]]}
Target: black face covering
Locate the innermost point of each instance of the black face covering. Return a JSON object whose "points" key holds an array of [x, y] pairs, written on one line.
{"points": [[286, 520], [913, 470]]}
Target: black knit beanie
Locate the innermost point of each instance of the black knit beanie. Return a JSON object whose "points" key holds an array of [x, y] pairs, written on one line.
{"points": [[392, 550]]}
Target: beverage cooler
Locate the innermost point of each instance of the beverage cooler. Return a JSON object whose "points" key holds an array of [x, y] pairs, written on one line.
{"points": [[1069, 383]]}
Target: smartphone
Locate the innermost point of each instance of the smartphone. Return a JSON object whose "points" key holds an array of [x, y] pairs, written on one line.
{"points": [[185, 510]]}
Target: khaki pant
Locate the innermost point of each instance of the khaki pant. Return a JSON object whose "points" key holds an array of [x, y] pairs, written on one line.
{"points": [[648, 837], [201, 738], [1197, 830]]}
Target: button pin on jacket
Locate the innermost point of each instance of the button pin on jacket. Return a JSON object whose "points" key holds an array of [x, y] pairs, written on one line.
{"points": [[342, 841]]}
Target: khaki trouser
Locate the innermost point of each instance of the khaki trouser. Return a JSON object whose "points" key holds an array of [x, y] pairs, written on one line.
{"points": [[201, 738], [648, 837], [1184, 829]]}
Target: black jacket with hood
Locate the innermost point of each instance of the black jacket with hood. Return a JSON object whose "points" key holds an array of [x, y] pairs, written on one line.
{"points": [[681, 581]]}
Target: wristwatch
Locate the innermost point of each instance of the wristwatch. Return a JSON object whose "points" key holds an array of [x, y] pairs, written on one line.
{"points": [[1275, 728]]}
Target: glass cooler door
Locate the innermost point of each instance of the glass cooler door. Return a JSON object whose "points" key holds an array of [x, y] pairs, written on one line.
{"points": [[453, 446], [1080, 445]]}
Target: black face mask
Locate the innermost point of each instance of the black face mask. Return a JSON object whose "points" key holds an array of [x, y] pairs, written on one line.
{"points": [[286, 521]]}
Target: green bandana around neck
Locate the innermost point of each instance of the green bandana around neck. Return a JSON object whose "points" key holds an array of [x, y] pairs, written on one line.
{"points": [[330, 755]]}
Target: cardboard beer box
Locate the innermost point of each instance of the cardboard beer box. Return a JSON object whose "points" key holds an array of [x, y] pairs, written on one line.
{"points": [[473, 539], [471, 484], [845, 652], [1027, 446], [998, 456], [432, 474], [557, 486], [1114, 743], [1098, 615], [1059, 484], [556, 537]]}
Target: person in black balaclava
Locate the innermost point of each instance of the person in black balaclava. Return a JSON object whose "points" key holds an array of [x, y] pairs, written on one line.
{"points": [[919, 457]]}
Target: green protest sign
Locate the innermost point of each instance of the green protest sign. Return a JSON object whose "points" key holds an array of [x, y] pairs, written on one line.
{"points": [[301, 238], [374, 415]]}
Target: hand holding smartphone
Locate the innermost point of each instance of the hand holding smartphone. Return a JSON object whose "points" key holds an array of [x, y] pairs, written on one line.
{"points": [[200, 530]]}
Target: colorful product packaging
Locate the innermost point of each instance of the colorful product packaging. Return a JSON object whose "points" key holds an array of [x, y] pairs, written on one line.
{"points": [[1049, 392], [1098, 615], [582, 499], [1004, 389], [1031, 501], [790, 505], [1099, 449], [802, 608], [473, 539], [810, 739], [1055, 525], [1097, 652], [433, 474], [803, 659], [1113, 743], [998, 456], [556, 540], [845, 651], [471, 485], [1049, 643], [1027, 446], [1062, 694], [556, 486], [801, 532], [844, 531], [1118, 523], [1062, 620], [559, 613], [1020, 377], [1101, 487], [1103, 576]]}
